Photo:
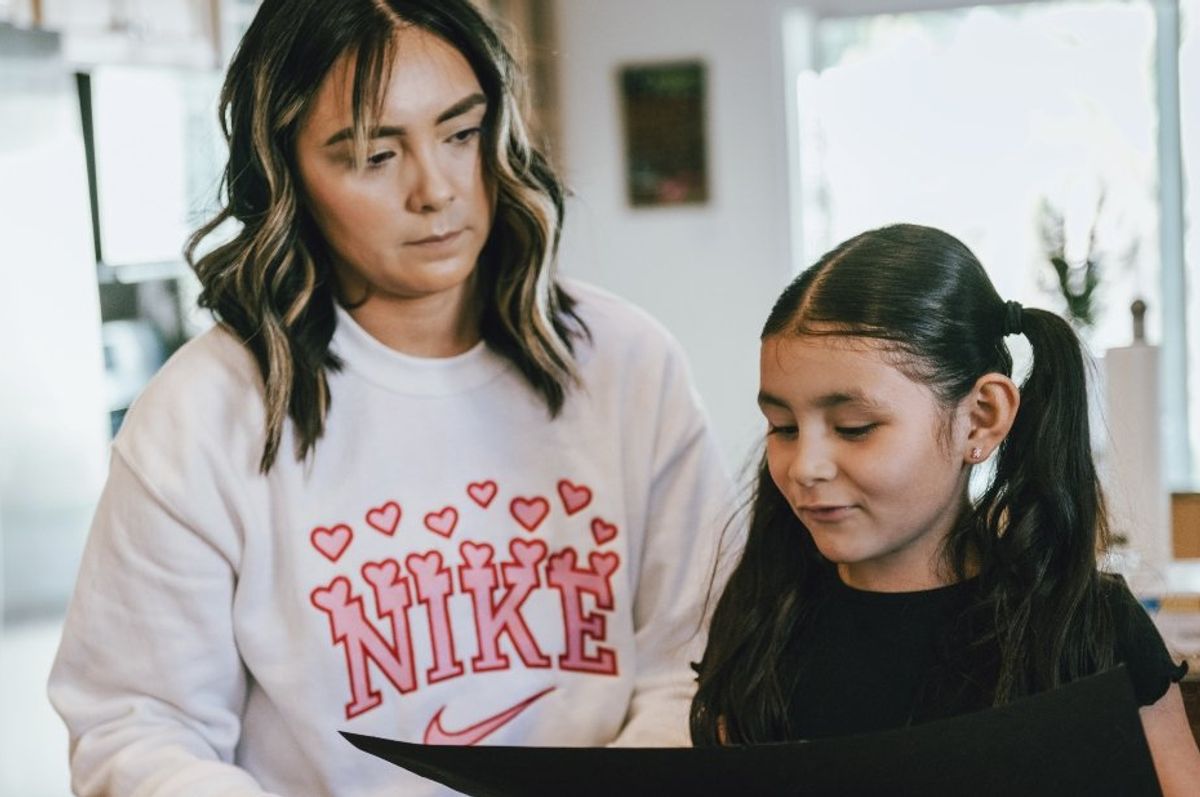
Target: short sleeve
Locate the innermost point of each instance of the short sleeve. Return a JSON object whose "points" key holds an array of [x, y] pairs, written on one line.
{"points": [[1139, 645]]}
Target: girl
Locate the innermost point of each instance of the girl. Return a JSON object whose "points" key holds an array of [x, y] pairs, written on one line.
{"points": [[872, 592], [412, 485]]}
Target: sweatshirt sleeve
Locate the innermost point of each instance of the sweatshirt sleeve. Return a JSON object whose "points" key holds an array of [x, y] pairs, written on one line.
{"points": [[689, 502], [148, 678]]}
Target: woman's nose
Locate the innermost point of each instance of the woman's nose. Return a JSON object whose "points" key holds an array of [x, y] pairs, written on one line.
{"points": [[431, 189]]}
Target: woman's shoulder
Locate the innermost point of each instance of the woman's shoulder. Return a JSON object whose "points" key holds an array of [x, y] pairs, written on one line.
{"points": [[214, 366], [618, 326], [209, 388]]}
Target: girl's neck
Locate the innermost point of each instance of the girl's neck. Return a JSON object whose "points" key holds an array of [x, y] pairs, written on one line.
{"points": [[869, 581], [925, 566]]}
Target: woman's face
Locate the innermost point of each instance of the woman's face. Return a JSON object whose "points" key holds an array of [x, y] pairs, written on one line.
{"points": [[411, 223], [864, 457]]}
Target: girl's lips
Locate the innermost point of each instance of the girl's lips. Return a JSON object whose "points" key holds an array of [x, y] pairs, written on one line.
{"points": [[825, 513]]}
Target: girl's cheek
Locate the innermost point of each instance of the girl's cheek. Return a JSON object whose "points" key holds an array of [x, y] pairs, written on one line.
{"points": [[778, 471]]}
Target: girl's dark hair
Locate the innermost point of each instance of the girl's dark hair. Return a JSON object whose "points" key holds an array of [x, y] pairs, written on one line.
{"points": [[272, 283], [1034, 533]]}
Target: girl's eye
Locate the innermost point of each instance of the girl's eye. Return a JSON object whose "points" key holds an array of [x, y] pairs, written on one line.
{"points": [[855, 432], [380, 158], [781, 431], [463, 136]]}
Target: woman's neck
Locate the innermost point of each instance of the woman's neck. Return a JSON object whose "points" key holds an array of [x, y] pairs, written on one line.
{"points": [[440, 325]]}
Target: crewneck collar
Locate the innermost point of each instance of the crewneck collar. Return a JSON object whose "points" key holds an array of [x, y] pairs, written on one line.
{"points": [[941, 592], [372, 360]]}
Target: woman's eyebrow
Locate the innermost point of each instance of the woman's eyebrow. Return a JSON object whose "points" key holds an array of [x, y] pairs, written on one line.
{"points": [[462, 106], [387, 131]]}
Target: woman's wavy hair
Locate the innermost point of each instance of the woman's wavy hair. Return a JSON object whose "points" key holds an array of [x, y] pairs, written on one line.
{"points": [[272, 283], [1034, 533]]}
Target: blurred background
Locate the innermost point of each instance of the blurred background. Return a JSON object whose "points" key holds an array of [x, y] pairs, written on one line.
{"points": [[714, 148]]}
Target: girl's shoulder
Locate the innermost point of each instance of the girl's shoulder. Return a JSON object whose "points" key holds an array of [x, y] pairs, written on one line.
{"points": [[1139, 645], [1119, 599]]}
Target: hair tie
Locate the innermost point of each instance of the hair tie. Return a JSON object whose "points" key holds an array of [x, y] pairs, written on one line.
{"points": [[1013, 319]]}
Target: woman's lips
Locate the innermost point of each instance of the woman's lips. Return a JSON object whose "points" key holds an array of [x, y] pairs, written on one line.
{"points": [[437, 240]]}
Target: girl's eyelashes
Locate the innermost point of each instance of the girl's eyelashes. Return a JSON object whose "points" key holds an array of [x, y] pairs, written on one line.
{"points": [[855, 432], [847, 432], [780, 431]]}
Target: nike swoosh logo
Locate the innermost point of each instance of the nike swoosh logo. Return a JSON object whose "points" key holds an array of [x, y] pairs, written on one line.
{"points": [[436, 734]]}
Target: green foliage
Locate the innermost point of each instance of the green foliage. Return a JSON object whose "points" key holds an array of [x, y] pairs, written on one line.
{"points": [[1078, 281]]}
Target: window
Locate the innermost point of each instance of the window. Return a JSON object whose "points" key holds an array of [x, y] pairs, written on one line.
{"points": [[1008, 126], [1189, 116]]}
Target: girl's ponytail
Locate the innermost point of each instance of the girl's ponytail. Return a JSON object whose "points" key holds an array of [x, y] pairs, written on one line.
{"points": [[1043, 520]]}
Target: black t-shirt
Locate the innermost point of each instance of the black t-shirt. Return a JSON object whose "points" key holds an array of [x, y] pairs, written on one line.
{"points": [[870, 661]]}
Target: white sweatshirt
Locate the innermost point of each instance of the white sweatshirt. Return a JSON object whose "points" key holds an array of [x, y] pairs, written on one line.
{"points": [[450, 566]]}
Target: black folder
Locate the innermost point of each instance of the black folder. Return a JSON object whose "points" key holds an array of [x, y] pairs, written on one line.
{"points": [[1084, 738]]}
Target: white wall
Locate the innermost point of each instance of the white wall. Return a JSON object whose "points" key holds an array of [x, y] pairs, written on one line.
{"points": [[710, 272], [53, 420]]}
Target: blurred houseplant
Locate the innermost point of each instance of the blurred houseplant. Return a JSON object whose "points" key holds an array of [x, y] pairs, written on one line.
{"points": [[1076, 282]]}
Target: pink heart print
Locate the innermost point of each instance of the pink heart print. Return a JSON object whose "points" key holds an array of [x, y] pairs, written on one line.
{"points": [[384, 573], [527, 553], [332, 542], [574, 496], [603, 531], [530, 512], [331, 597], [476, 556], [482, 493], [604, 563], [443, 522], [385, 518]]}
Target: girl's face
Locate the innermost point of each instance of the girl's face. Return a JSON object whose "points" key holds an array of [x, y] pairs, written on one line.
{"points": [[412, 222], [866, 457]]}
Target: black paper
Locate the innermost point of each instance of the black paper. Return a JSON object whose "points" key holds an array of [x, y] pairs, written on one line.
{"points": [[1081, 739]]}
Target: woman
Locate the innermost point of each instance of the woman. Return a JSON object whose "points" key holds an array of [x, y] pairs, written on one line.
{"points": [[411, 485]]}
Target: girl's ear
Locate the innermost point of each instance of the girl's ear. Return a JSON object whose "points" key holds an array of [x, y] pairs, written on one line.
{"points": [[991, 407]]}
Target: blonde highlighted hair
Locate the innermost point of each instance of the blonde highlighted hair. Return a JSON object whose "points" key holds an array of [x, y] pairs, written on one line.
{"points": [[272, 283]]}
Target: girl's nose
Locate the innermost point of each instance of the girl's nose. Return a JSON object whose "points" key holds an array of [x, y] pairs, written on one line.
{"points": [[811, 464]]}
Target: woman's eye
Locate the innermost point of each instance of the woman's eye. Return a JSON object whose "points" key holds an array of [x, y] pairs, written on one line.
{"points": [[781, 431], [463, 136], [380, 158], [855, 432]]}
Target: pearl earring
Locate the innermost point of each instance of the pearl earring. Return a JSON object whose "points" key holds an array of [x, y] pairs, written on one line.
{"points": [[976, 453]]}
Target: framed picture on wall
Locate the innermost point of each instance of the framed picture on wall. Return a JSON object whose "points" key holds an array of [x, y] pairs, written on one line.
{"points": [[664, 115]]}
